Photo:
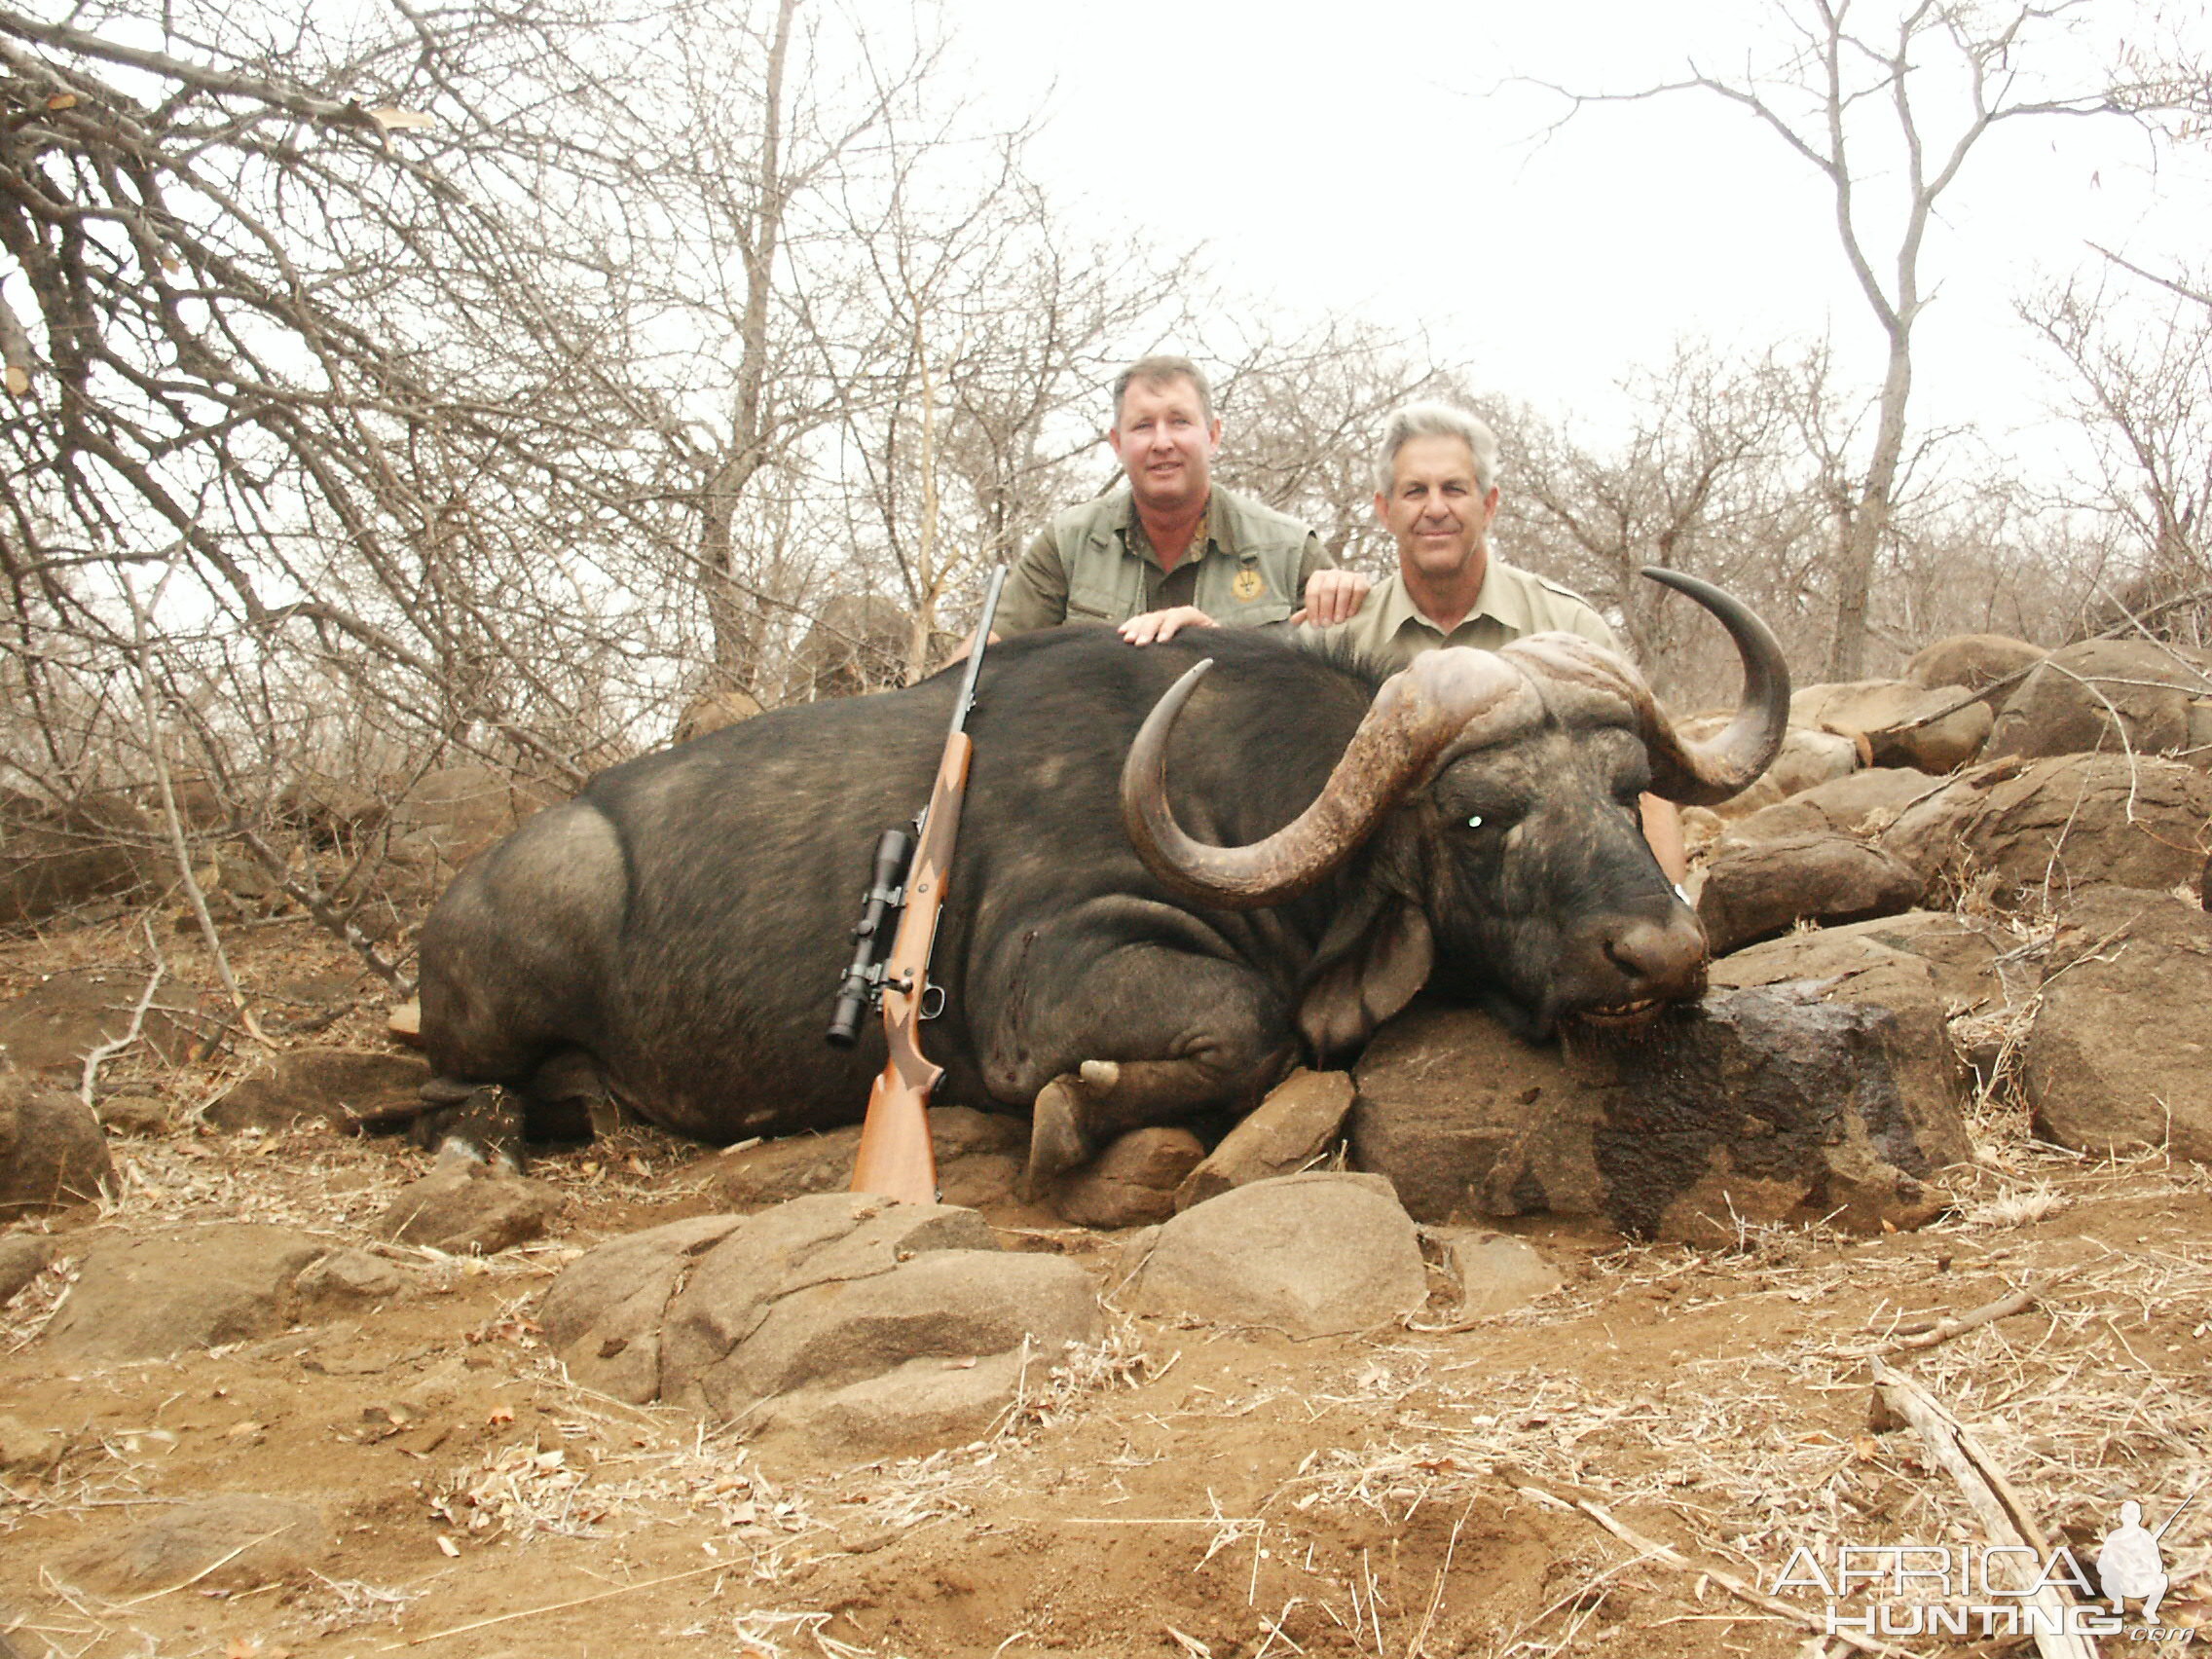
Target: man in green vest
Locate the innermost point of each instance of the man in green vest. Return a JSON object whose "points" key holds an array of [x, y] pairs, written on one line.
{"points": [[1436, 494], [1171, 549]]}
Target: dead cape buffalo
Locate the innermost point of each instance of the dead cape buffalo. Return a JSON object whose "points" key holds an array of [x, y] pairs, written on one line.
{"points": [[1180, 868]]}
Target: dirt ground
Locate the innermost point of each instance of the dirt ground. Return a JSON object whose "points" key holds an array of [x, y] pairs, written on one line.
{"points": [[1427, 1488]]}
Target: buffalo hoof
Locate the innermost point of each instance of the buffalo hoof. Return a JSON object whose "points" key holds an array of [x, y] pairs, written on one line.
{"points": [[484, 1125], [1059, 1135]]}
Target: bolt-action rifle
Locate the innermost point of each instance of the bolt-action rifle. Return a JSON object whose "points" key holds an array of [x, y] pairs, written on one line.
{"points": [[907, 892]]}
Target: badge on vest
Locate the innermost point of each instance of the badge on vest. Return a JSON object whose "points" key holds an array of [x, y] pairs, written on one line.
{"points": [[1248, 585]]}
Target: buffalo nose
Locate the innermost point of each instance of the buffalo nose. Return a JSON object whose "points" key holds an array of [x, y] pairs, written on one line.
{"points": [[1657, 953]]}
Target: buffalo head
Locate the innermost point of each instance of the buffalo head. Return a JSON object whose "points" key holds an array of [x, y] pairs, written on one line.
{"points": [[1496, 797]]}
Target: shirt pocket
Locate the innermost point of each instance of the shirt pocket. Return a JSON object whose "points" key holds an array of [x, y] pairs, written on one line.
{"points": [[1088, 602]]}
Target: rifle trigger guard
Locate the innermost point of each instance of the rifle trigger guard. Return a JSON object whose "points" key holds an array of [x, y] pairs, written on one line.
{"points": [[932, 1001]]}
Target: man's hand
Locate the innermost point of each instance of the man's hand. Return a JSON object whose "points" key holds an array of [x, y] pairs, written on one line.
{"points": [[1163, 624], [1333, 596]]}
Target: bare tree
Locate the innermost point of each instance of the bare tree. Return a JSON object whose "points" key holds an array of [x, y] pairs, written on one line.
{"points": [[1917, 88], [2141, 394]]}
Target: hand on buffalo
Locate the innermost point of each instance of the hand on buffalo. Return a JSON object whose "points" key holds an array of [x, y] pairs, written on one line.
{"points": [[1333, 596], [1163, 624]]}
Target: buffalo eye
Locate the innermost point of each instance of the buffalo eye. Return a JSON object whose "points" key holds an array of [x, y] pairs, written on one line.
{"points": [[1475, 822]]}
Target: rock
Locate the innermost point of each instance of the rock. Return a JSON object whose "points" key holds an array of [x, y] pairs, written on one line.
{"points": [[1496, 1274], [859, 645], [2116, 1059], [335, 1086], [1765, 888], [2102, 694], [604, 1315], [843, 1320], [265, 1538], [1975, 661], [1440, 1091], [1842, 806], [2031, 835], [23, 1256], [1853, 706], [52, 1154], [1925, 960], [404, 1023], [714, 711], [153, 1297], [980, 1156], [1311, 1255], [56, 1023], [463, 1207], [23, 1448], [1302, 1118], [55, 857], [141, 1115], [454, 813], [1938, 734], [1808, 756], [350, 1276], [1757, 1106], [1133, 1182]]}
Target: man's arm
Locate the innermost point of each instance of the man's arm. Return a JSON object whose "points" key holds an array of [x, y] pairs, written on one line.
{"points": [[1036, 594]]}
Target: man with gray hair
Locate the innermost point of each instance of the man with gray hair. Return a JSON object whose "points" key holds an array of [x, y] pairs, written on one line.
{"points": [[1436, 492], [1171, 550]]}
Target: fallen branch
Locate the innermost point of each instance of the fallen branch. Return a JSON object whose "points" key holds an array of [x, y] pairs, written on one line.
{"points": [[1933, 1333], [1728, 1581], [99, 1052], [2007, 1521]]}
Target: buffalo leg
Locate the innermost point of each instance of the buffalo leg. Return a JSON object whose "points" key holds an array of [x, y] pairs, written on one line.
{"points": [[1147, 1033]]}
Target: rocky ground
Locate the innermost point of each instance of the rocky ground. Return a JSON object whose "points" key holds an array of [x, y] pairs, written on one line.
{"points": [[391, 1459]]}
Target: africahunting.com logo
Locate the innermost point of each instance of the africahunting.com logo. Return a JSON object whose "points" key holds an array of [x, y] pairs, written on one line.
{"points": [[1993, 1590]]}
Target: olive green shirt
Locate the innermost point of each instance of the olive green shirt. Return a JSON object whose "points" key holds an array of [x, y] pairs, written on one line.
{"points": [[1247, 567], [1389, 628]]}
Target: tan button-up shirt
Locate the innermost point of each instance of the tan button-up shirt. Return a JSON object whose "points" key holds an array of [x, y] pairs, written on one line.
{"points": [[1246, 569], [1389, 628]]}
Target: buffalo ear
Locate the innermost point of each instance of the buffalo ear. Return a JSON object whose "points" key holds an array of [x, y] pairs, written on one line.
{"points": [[1373, 960]]}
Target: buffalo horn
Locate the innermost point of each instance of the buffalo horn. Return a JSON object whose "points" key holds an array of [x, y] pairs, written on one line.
{"points": [[1695, 774], [1446, 695]]}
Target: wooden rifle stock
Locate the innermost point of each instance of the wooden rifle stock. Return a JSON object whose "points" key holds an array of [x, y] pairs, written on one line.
{"points": [[896, 1157]]}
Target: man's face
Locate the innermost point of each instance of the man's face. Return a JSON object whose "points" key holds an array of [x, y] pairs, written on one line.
{"points": [[1166, 443], [1438, 516]]}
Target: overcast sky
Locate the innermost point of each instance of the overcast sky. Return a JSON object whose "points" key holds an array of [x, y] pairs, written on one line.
{"points": [[1381, 159]]}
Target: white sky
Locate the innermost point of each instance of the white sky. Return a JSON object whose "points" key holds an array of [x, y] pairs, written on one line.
{"points": [[1367, 159]]}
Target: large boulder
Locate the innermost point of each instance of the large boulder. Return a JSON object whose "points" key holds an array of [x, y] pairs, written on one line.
{"points": [[852, 1323], [1441, 1092], [466, 1209], [1770, 886], [153, 1297], [1133, 1182], [714, 711], [1845, 806], [52, 1154], [55, 1024], [1899, 723], [2030, 835], [452, 813], [2107, 694], [339, 1086], [1302, 1118], [23, 1256], [1309, 1255], [2119, 1059], [1756, 1106], [858, 643], [1808, 756], [979, 1156], [1973, 661], [55, 857], [1924, 961]]}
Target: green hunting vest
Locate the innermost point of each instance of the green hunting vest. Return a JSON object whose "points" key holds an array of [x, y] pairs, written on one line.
{"points": [[1249, 570]]}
